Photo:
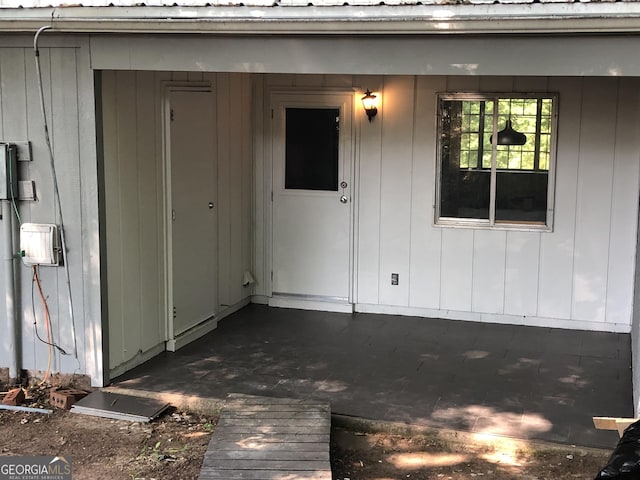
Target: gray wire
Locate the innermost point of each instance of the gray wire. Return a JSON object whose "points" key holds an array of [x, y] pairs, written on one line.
{"points": [[55, 186]]}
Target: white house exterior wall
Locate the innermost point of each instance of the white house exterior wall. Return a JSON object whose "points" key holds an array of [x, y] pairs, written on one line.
{"points": [[69, 99], [135, 199], [133, 178], [580, 275]]}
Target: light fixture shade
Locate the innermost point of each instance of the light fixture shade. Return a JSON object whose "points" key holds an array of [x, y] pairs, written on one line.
{"points": [[508, 136], [370, 104]]}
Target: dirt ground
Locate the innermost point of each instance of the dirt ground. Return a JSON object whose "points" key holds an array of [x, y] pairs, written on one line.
{"points": [[360, 456], [173, 446]]}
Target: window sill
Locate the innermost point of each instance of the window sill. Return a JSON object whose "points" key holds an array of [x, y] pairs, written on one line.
{"points": [[484, 225]]}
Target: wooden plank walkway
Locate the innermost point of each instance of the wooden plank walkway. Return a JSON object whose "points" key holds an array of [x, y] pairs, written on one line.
{"points": [[262, 438]]}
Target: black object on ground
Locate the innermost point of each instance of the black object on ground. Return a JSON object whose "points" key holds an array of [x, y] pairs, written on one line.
{"points": [[120, 407], [624, 463]]}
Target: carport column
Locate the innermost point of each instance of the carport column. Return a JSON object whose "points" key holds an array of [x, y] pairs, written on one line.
{"points": [[635, 328]]}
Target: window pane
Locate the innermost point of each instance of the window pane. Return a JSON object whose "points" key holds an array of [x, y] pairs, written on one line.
{"points": [[488, 110], [312, 141], [464, 189], [544, 161], [473, 159], [528, 160], [486, 157], [530, 106], [545, 125], [465, 141], [515, 160], [464, 159], [502, 159], [545, 143], [521, 197]]}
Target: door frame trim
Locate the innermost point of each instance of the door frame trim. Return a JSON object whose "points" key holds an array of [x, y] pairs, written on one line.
{"points": [[167, 88], [271, 95]]}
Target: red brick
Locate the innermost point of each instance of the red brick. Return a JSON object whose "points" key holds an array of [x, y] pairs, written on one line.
{"points": [[65, 397], [14, 398]]}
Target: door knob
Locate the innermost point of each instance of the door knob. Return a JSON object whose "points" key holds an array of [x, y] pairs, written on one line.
{"points": [[210, 204], [344, 199]]}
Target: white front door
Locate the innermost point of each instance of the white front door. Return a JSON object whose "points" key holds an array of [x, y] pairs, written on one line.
{"points": [[312, 204], [193, 214]]}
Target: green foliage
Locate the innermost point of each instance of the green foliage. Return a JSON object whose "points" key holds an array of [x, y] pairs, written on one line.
{"points": [[151, 452], [208, 427]]}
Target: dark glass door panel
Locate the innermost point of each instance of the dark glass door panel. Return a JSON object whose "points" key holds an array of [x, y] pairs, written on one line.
{"points": [[312, 141]]}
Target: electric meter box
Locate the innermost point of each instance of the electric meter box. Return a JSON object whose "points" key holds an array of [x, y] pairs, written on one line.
{"points": [[40, 244], [8, 172]]}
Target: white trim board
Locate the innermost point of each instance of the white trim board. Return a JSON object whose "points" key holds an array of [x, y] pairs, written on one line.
{"points": [[310, 304], [135, 361], [203, 328], [260, 299], [524, 320]]}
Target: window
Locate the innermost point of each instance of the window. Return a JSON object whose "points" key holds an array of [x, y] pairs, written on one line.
{"points": [[496, 180]]}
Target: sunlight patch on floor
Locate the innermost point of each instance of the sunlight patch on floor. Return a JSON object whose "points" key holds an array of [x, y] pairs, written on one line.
{"points": [[501, 451], [254, 443], [330, 386], [484, 419], [476, 354], [194, 434], [301, 476], [413, 460], [511, 459]]}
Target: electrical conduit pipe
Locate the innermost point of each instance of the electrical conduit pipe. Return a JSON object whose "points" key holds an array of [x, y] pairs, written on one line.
{"points": [[9, 285]]}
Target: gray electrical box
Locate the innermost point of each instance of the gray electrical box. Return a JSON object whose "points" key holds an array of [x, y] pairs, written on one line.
{"points": [[8, 172]]}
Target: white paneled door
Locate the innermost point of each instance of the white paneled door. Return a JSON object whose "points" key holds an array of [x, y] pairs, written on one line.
{"points": [[312, 196], [193, 215]]}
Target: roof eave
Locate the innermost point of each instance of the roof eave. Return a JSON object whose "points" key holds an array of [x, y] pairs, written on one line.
{"points": [[550, 18]]}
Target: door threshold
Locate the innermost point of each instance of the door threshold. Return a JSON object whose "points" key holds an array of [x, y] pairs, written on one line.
{"points": [[311, 302]]}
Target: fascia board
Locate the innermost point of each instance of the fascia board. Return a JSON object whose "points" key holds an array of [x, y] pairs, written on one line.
{"points": [[605, 17]]}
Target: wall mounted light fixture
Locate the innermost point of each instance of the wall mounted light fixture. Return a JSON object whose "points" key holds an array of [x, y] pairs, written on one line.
{"points": [[370, 104]]}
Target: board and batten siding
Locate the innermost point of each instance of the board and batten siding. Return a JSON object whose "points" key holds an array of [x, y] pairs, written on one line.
{"points": [[134, 204], [69, 101], [580, 275]]}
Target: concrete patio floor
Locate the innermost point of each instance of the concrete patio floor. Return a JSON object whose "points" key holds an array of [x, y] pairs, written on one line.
{"points": [[524, 382]]}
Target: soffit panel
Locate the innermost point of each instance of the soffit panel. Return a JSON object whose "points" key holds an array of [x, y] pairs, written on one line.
{"points": [[367, 55]]}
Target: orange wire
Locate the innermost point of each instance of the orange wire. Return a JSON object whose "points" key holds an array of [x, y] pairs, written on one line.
{"points": [[47, 322]]}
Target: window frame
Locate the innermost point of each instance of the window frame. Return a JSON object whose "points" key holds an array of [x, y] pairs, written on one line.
{"points": [[491, 223]]}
